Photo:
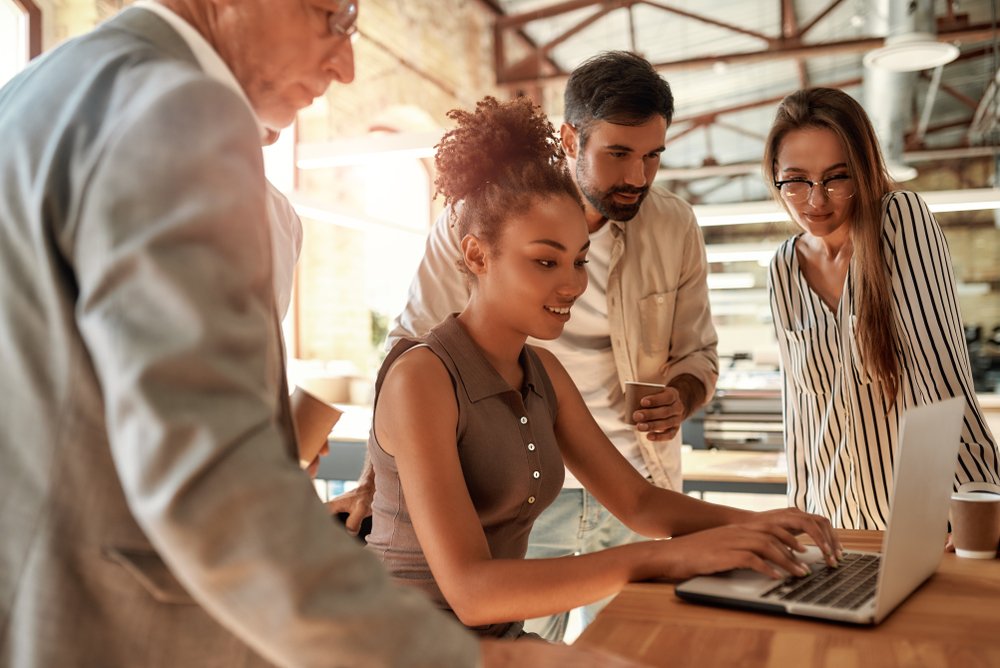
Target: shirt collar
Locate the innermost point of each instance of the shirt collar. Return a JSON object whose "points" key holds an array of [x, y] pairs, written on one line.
{"points": [[207, 58], [478, 376]]}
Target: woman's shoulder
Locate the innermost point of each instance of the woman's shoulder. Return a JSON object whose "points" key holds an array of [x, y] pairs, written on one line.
{"points": [[904, 204], [413, 364], [904, 211], [783, 255]]}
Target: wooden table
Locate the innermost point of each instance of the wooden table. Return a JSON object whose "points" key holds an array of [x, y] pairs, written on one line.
{"points": [[734, 471], [952, 620]]}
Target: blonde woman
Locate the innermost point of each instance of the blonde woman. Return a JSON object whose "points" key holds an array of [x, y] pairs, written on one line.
{"points": [[865, 313]]}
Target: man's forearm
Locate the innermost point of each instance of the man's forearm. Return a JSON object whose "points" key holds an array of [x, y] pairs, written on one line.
{"points": [[692, 392]]}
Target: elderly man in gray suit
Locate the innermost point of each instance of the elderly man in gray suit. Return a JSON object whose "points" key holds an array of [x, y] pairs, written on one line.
{"points": [[151, 509]]}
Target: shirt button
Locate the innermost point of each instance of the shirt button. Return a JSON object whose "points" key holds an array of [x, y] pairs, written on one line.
{"points": [[531, 446], [536, 475], [524, 420], [531, 499]]}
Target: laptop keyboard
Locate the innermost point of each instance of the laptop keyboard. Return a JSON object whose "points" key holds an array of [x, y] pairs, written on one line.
{"points": [[847, 586]]}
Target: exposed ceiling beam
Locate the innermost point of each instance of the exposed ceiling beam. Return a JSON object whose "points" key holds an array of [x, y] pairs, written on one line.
{"points": [[499, 46], [528, 65], [790, 30], [957, 94], [767, 39], [972, 33], [819, 17], [710, 116], [524, 18]]}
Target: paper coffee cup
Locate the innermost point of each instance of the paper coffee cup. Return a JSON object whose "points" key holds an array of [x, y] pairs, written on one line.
{"points": [[634, 392], [975, 524], [313, 418]]}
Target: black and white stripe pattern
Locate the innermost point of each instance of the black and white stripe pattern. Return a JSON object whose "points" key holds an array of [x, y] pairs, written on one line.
{"points": [[840, 432]]}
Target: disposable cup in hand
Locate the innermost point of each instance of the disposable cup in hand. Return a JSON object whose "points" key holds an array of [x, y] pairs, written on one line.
{"points": [[975, 524], [313, 418], [634, 392]]}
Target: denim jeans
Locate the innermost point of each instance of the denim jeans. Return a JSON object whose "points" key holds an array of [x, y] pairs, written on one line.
{"points": [[575, 523]]}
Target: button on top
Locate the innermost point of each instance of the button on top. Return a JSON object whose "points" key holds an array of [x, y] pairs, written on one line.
{"points": [[524, 420], [531, 499], [531, 446], [536, 475]]}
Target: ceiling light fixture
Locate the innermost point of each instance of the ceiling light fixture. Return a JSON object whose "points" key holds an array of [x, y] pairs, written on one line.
{"points": [[910, 52]]}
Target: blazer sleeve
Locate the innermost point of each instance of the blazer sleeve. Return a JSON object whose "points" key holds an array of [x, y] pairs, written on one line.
{"points": [[170, 249], [929, 326], [438, 289]]}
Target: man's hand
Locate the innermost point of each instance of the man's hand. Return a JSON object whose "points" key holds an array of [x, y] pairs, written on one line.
{"points": [[357, 503], [661, 414]]}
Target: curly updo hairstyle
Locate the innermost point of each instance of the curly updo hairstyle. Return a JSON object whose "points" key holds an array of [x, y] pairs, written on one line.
{"points": [[497, 161]]}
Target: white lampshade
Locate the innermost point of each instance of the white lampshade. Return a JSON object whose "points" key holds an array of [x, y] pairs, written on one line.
{"points": [[910, 52]]}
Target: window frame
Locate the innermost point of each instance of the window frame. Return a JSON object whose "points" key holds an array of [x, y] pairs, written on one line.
{"points": [[33, 15]]}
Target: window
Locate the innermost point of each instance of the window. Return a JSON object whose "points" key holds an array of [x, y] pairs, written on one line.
{"points": [[358, 258], [20, 36]]}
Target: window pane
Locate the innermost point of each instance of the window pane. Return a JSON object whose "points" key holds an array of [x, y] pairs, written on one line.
{"points": [[13, 40]]}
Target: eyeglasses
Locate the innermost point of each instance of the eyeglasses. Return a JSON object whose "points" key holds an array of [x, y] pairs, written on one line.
{"points": [[839, 186], [343, 21]]}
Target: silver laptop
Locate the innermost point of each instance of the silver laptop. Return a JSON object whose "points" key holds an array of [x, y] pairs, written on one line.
{"points": [[865, 587]]}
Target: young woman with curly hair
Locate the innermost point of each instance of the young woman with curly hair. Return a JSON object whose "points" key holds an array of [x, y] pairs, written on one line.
{"points": [[472, 426], [865, 312]]}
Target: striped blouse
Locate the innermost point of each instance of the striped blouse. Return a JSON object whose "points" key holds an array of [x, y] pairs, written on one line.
{"points": [[840, 432]]}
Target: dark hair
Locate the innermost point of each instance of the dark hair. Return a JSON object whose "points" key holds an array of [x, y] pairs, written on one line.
{"points": [[497, 162], [618, 87], [841, 114]]}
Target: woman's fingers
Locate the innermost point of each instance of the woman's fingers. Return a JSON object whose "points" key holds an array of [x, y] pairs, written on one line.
{"points": [[764, 547], [816, 527], [779, 547]]}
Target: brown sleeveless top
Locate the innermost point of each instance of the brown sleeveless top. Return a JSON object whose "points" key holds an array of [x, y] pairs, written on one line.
{"points": [[508, 451]]}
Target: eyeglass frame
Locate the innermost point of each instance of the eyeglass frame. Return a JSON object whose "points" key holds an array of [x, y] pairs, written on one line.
{"points": [[813, 184], [343, 23]]}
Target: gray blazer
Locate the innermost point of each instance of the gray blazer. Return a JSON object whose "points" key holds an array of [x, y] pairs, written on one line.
{"points": [[150, 511]]}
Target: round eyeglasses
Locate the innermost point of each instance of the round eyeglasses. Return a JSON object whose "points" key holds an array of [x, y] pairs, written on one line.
{"points": [[343, 21], [840, 186]]}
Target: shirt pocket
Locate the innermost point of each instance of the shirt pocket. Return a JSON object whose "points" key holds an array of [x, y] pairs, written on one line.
{"points": [[858, 367], [656, 318], [807, 374]]}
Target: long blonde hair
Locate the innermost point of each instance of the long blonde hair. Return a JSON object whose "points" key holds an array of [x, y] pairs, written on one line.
{"points": [[838, 112]]}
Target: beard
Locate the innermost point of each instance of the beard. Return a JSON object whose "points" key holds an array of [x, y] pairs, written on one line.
{"points": [[603, 200]]}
